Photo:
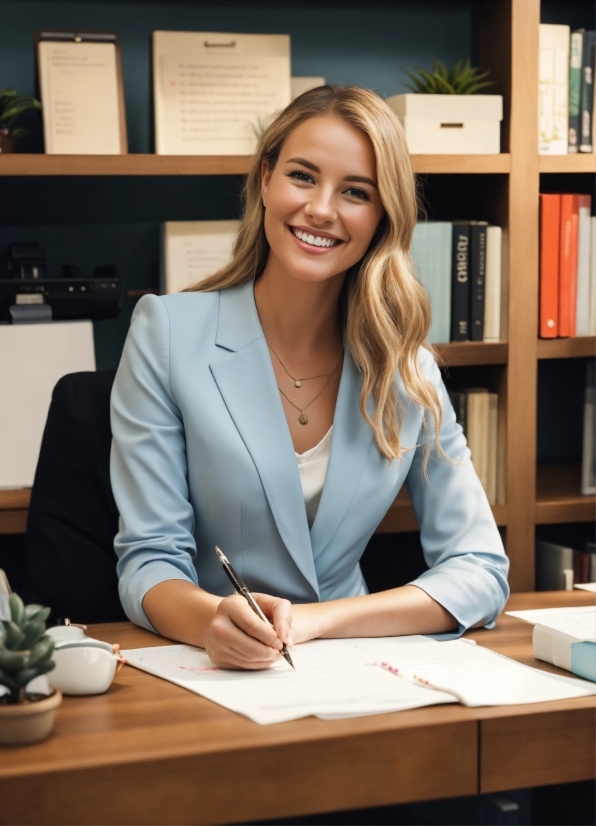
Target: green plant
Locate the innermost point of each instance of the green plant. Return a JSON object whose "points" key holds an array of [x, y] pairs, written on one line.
{"points": [[461, 79], [25, 648], [13, 105]]}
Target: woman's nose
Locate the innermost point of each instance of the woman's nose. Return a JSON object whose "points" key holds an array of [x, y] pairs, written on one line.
{"points": [[321, 208]]}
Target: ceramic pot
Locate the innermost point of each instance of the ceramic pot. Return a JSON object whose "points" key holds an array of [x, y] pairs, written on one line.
{"points": [[28, 722], [6, 142]]}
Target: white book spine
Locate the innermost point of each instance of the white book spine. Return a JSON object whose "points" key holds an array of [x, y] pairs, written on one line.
{"points": [[582, 315], [553, 89], [592, 303], [493, 435], [492, 301]]}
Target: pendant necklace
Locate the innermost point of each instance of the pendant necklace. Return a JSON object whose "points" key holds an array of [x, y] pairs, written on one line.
{"points": [[303, 417], [298, 382]]}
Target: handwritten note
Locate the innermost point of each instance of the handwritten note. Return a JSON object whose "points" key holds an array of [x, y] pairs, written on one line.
{"points": [[194, 250]]}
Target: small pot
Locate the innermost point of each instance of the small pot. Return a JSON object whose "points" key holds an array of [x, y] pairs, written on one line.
{"points": [[6, 142], [28, 722]]}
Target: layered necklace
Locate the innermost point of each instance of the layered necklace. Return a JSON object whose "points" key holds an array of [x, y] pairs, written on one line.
{"points": [[303, 415]]}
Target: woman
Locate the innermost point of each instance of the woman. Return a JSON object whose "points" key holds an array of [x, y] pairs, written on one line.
{"points": [[277, 408]]}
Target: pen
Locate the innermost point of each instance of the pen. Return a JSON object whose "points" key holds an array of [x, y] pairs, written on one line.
{"points": [[241, 589]]}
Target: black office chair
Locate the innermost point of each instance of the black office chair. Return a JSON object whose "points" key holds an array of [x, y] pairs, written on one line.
{"points": [[70, 564]]}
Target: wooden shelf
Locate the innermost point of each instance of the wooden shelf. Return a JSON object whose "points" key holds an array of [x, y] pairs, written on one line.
{"points": [[400, 518], [567, 163], [23, 164], [14, 506], [566, 348], [472, 352], [558, 497]]}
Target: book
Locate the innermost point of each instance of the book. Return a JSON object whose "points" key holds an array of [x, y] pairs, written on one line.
{"points": [[492, 300], [582, 306], [214, 92], [575, 84], [588, 478], [431, 254], [493, 439], [584, 564], [568, 264], [194, 250], [550, 236], [477, 431], [477, 279], [460, 282], [592, 277], [459, 400], [587, 92], [553, 89], [554, 567]]}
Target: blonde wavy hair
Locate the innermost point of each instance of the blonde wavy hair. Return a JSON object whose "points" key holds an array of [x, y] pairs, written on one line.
{"points": [[386, 310]]}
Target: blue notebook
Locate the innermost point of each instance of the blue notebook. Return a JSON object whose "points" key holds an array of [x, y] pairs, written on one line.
{"points": [[431, 253]]}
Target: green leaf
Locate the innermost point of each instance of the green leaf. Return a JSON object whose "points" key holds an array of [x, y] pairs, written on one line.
{"points": [[7, 93], [12, 660], [31, 612], [17, 609], [7, 680], [33, 631], [473, 90], [14, 635], [41, 652], [445, 87], [24, 676]]}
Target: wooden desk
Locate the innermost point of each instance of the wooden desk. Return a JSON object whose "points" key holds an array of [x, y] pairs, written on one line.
{"points": [[150, 752]]}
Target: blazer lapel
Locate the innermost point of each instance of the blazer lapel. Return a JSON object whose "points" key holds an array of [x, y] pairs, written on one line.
{"points": [[350, 445], [246, 381]]}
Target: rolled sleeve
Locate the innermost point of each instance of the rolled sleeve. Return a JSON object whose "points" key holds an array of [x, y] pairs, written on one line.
{"points": [[461, 543], [148, 467]]}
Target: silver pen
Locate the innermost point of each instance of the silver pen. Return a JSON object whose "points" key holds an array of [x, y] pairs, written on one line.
{"points": [[241, 589]]}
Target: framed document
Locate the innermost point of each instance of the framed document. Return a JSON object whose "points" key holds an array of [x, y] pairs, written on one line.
{"points": [[214, 93], [194, 250], [82, 94]]}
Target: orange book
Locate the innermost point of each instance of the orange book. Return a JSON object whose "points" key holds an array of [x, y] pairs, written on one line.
{"points": [[568, 264], [550, 232]]}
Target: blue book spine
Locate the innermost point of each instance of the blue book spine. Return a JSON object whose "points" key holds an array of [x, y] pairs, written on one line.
{"points": [[431, 250]]}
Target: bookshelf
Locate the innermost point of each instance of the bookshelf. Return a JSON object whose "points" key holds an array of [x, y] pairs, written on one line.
{"points": [[508, 186]]}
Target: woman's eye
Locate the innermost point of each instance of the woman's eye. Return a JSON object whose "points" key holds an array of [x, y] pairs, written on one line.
{"points": [[356, 192], [301, 176]]}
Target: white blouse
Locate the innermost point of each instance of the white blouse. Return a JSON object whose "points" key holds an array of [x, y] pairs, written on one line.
{"points": [[312, 465]]}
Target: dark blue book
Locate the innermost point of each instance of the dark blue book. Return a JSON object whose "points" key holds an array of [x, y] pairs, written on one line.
{"points": [[587, 92], [460, 282]]}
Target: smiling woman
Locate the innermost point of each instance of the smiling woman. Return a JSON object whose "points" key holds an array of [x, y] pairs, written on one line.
{"points": [[277, 408]]}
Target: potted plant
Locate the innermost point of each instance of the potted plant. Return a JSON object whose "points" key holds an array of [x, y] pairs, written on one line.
{"points": [[25, 653], [11, 107], [446, 115]]}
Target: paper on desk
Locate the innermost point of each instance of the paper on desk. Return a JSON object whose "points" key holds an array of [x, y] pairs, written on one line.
{"points": [[338, 678], [333, 678], [586, 586], [578, 621], [477, 676]]}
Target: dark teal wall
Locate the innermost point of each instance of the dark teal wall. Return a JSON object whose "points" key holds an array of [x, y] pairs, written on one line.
{"points": [[91, 221]]}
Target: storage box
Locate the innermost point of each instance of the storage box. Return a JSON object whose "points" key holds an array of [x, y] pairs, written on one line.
{"points": [[450, 124]]}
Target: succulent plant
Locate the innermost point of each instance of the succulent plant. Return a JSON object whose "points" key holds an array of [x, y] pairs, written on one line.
{"points": [[13, 105], [461, 79], [25, 648]]}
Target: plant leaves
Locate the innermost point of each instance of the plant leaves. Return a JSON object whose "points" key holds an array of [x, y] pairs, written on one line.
{"points": [[25, 676], [17, 609], [33, 631], [7, 93], [32, 611], [12, 660], [7, 680], [41, 652], [14, 635]]}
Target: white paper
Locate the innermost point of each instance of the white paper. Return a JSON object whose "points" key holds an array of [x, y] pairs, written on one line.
{"points": [[579, 622], [215, 92], [79, 91], [333, 678], [194, 250], [343, 678], [32, 359], [586, 586]]}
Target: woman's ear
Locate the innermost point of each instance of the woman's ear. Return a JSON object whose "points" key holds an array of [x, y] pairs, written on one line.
{"points": [[265, 179]]}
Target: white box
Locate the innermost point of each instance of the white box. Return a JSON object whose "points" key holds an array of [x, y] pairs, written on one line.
{"points": [[450, 124], [32, 359]]}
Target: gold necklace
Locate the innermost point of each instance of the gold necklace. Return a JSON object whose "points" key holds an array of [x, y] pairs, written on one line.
{"points": [[298, 382], [303, 417]]}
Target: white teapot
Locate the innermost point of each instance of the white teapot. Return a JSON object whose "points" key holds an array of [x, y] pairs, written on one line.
{"points": [[83, 665]]}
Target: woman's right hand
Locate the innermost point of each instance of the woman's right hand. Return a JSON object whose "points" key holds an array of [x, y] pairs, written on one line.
{"points": [[237, 638]]}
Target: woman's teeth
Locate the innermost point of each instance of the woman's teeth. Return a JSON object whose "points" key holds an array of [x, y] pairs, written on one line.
{"points": [[314, 240]]}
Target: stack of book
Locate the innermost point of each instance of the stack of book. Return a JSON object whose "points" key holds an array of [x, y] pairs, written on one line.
{"points": [[477, 411], [560, 567], [566, 90], [567, 266], [459, 263]]}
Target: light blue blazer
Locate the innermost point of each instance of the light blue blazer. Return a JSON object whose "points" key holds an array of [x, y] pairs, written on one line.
{"points": [[202, 456]]}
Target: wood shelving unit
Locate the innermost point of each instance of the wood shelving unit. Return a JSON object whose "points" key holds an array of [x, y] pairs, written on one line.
{"points": [[508, 43], [558, 497], [149, 165]]}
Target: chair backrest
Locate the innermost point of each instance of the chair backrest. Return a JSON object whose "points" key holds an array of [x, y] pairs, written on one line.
{"points": [[70, 562]]}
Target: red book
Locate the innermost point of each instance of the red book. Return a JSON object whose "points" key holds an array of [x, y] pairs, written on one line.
{"points": [[568, 264], [550, 232]]}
